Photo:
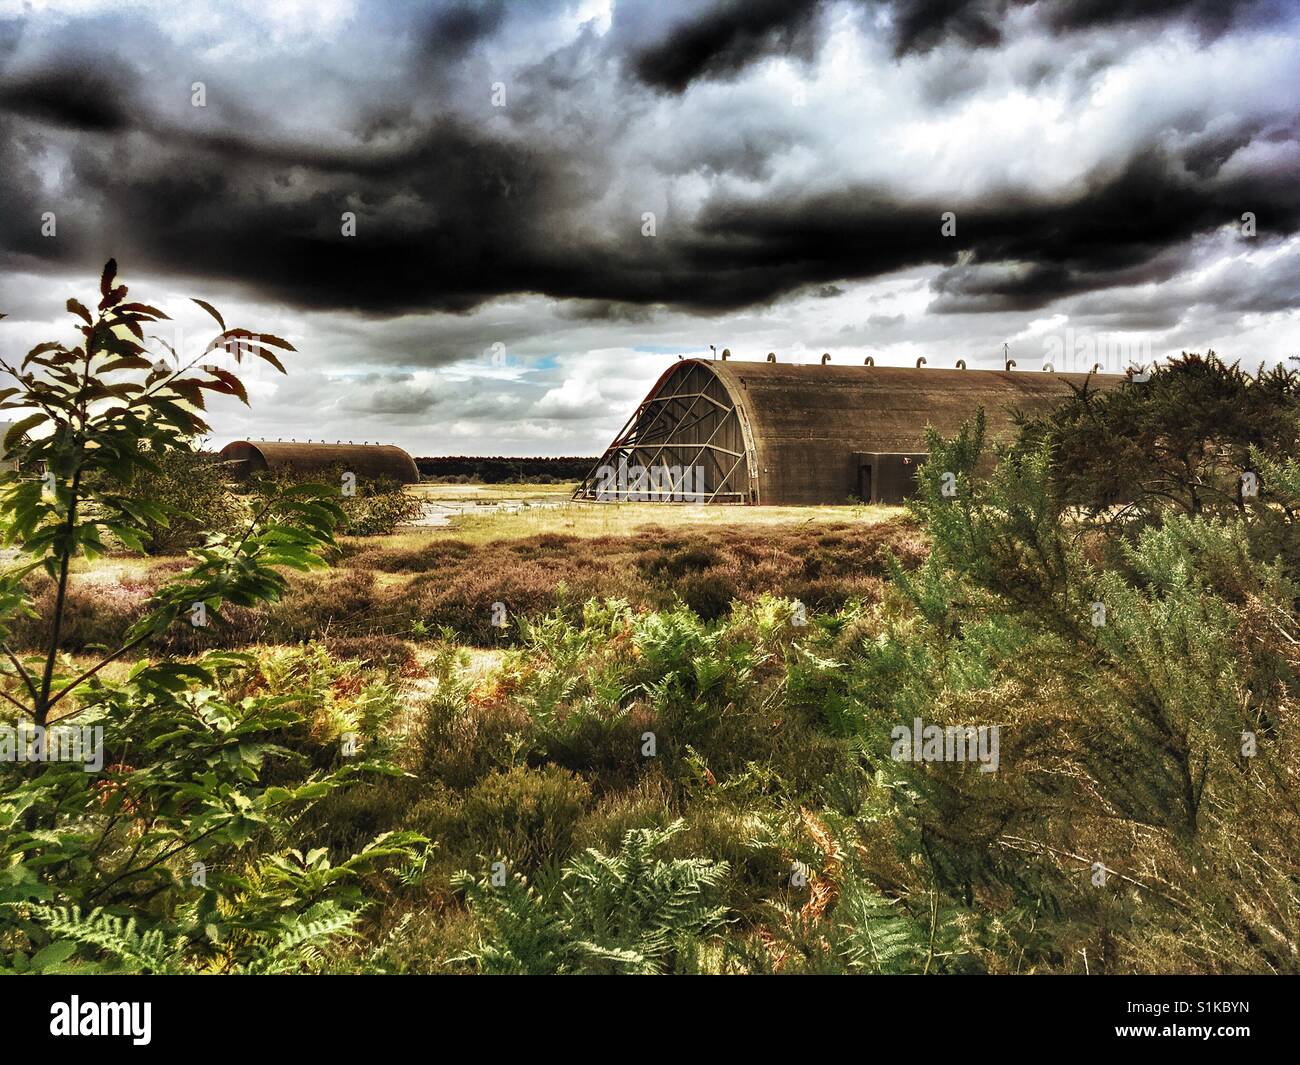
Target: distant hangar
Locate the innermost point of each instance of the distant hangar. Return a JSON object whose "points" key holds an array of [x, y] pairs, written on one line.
{"points": [[244, 458]]}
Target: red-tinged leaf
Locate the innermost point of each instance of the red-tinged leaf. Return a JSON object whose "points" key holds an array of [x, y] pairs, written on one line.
{"points": [[122, 391], [113, 298], [211, 310], [233, 384], [127, 362], [143, 308], [241, 348], [40, 350], [189, 391], [121, 346], [76, 308], [276, 342], [260, 338], [262, 353], [106, 279]]}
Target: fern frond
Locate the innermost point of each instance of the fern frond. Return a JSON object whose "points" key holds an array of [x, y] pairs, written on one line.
{"points": [[151, 951]]}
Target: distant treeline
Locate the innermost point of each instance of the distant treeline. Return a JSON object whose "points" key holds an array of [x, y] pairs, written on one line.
{"points": [[499, 469]]}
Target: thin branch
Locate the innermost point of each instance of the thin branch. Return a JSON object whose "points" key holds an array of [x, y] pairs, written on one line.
{"points": [[185, 845], [1011, 842], [22, 670], [95, 669], [16, 703]]}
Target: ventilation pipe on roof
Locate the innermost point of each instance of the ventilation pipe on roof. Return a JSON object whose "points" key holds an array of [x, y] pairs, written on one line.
{"points": [[726, 354], [1048, 368], [826, 357], [920, 362], [1011, 363], [961, 364], [771, 356], [869, 361], [1096, 368]]}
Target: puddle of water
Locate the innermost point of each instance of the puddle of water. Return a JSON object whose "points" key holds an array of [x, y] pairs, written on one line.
{"points": [[441, 512]]}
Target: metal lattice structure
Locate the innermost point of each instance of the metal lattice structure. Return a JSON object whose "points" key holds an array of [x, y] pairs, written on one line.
{"points": [[7, 462], [687, 435], [784, 433]]}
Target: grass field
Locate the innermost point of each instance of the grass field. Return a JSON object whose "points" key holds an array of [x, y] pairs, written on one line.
{"points": [[551, 680], [502, 512], [401, 630]]}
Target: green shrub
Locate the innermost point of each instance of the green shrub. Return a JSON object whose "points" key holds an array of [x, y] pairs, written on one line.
{"points": [[521, 816], [371, 506], [195, 491], [176, 852], [1122, 733]]}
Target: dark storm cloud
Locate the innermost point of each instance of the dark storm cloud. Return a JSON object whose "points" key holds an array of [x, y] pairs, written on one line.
{"points": [[450, 33], [455, 219], [456, 208], [1211, 17], [1119, 231], [76, 94], [920, 25], [724, 38], [1127, 231], [603, 311], [719, 40], [446, 222]]}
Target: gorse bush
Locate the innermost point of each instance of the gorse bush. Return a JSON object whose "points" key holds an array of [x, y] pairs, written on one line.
{"points": [[1144, 811]]}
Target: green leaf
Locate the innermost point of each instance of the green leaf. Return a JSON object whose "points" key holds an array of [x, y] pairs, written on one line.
{"points": [[19, 429], [52, 954]]}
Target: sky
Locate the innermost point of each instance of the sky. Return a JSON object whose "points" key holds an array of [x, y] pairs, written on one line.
{"points": [[488, 227]]}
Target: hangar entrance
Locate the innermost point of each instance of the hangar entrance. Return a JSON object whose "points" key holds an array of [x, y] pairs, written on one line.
{"points": [[685, 443], [887, 477]]}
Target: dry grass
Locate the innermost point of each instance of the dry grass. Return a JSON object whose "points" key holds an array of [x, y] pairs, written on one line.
{"points": [[533, 562], [492, 493]]}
